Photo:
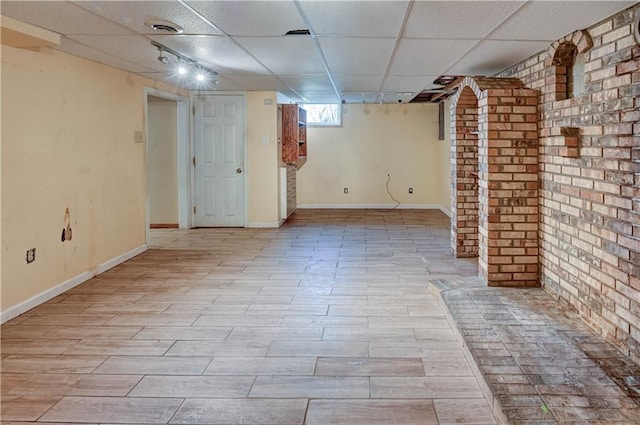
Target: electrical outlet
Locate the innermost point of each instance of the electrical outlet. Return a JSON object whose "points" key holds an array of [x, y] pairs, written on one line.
{"points": [[31, 255], [410, 190], [346, 190]]}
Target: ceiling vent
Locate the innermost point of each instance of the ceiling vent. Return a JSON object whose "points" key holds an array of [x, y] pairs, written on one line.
{"points": [[164, 27], [298, 32]]}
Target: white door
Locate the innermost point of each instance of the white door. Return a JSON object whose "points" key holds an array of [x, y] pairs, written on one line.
{"points": [[219, 161]]}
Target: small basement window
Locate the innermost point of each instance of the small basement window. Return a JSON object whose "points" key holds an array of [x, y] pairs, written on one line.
{"points": [[323, 114]]}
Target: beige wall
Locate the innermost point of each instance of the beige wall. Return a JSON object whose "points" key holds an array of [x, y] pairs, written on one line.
{"points": [[374, 140], [444, 153], [263, 158], [67, 142], [163, 161]]}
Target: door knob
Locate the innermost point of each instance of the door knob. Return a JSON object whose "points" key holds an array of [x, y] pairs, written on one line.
{"points": [[238, 170]]}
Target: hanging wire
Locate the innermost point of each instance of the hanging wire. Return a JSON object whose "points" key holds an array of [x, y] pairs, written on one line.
{"points": [[390, 195]]}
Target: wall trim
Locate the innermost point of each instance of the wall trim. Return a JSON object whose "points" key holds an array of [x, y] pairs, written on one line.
{"points": [[372, 206], [263, 224], [445, 211], [50, 293]]}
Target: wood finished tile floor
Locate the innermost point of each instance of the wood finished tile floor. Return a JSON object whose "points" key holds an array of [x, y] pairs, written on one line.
{"points": [[327, 320]]}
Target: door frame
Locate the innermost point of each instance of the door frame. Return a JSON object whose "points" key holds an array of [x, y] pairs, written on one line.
{"points": [[245, 148], [183, 154]]}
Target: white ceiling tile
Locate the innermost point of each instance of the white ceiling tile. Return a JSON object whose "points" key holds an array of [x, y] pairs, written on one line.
{"points": [[363, 56], [430, 57], [136, 13], [551, 20], [217, 52], [320, 97], [257, 82], [358, 83], [457, 19], [289, 97], [77, 49], [191, 84], [308, 83], [61, 17], [358, 98], [492, 56], [226, 84], [251, 18], [285, 55], [407, 83], [136, 49], [355, 18]]}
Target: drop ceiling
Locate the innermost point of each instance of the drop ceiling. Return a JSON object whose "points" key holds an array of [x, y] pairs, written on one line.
{"points": [[357, 49]]}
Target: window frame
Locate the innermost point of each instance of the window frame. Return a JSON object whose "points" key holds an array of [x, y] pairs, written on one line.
{"points": [[321, 124]]}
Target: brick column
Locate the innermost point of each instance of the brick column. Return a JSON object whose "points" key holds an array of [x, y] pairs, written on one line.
{"points": [[495, 179], [508, 195]]}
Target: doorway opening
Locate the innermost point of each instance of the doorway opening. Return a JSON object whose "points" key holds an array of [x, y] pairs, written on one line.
{"points": [[219, 158], [167, 154]]}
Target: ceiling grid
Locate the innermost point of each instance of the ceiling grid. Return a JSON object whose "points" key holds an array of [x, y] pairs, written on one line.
{"points": [[356, 50]]}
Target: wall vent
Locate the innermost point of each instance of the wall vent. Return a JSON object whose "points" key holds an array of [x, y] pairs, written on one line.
{"points": [[298, 32]]}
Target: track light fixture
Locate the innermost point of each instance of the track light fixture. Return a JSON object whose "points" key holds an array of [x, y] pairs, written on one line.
{"points": [[162, 59], [182, 67], [381, 98], [186, 66]]}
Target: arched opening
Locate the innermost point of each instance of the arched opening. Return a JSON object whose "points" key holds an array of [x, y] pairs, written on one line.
{"points": [[569, 70], [464, 171], [494, 176], [576, 88]]}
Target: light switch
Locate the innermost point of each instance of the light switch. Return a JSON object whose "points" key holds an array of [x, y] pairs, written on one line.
{"points": [[265, 140], [138, 137]]}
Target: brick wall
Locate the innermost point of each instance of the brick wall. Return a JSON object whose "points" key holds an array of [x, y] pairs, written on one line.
{"points": [[508, 156], [464, 175], [589, 158], [494, 164]]}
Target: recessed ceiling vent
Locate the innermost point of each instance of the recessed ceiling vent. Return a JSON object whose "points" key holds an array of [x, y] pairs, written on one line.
{"points": [[164, 27], [298, 32]]}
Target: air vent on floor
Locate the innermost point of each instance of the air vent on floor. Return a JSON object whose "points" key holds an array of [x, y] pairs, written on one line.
{"points": [[164, 27], [298, 32]]}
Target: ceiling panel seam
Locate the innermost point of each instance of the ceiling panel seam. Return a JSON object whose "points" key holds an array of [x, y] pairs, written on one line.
{"points": [[236, 43], [316, 43], [509, 16], [394, 51], [128, 30]]}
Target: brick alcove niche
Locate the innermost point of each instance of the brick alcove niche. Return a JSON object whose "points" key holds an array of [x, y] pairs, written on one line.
{"points": [[494, 167]]}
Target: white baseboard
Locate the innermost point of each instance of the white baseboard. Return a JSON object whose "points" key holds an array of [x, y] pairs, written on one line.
{"points": [[371, 206], [263, 224], [445, 211], [119, 259], [50, 293]]}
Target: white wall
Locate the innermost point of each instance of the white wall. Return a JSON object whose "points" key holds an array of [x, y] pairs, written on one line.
{"points": [[263, 157], [374, 140], [68, 142], [444, 153], [163, 161]]}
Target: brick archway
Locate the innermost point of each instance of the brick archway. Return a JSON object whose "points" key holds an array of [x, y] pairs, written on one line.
{"points": [[494, 195]]}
